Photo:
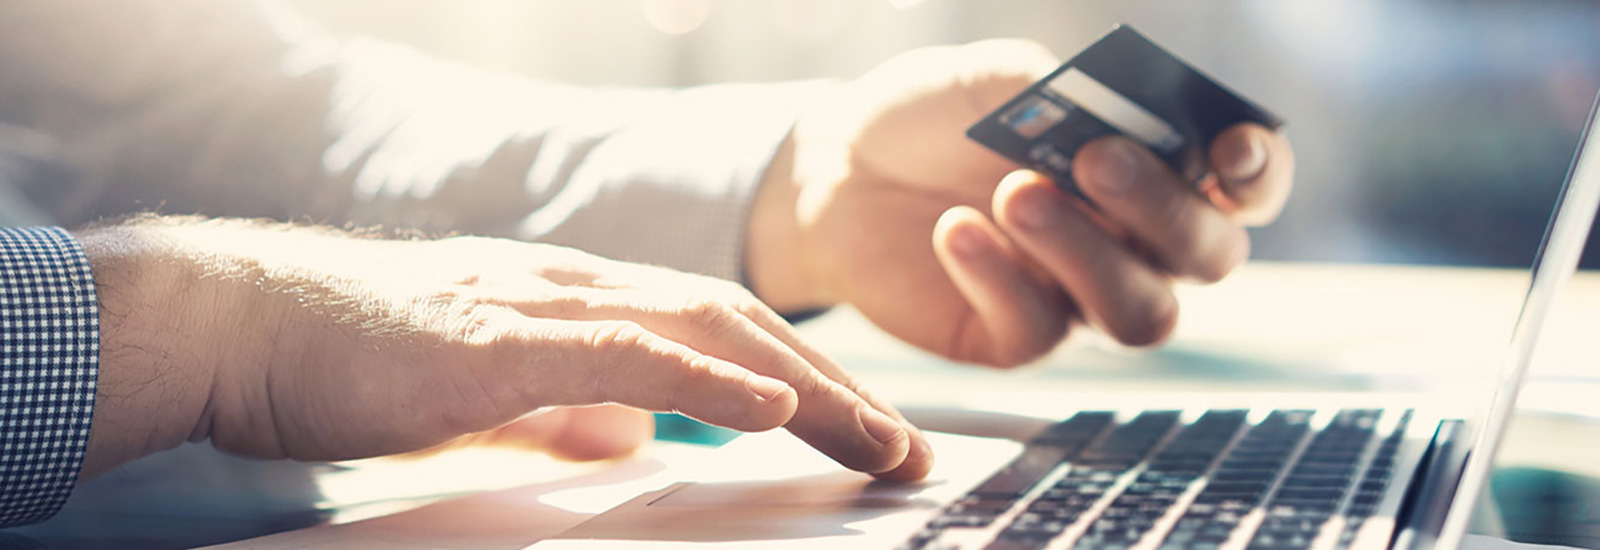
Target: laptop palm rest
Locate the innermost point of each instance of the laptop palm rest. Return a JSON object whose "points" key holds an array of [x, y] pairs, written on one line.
{"points": [[772, 489]]}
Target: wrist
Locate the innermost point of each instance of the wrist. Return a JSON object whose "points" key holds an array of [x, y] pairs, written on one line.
{"points": [[154, 384], [779, 261]]}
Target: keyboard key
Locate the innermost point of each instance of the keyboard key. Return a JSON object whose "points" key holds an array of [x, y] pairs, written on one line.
{"points": [[1317, 481], [1310, 494], [961, 521], [1017, 478], [919, 540], [1259, 475], [980, 505], [1035, 528], [1075, 432], [1017, 543], [1252, 464]]}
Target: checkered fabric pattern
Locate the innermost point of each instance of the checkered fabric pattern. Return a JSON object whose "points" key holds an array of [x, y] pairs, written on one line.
{"points": [[49, 359]]}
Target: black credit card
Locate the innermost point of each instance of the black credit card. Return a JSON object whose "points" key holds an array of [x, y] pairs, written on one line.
{"points": [[1122, 84]]}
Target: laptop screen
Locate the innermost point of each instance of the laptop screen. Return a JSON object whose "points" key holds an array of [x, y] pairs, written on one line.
{"points": [[1553, 266]]}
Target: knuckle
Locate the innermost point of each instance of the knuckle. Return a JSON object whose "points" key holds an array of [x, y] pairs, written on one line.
{"points": [[746, 301], [712, 317], [619, 340], [823, 393], [849, 386], [816, 386], [699, 371], [756, 310], [464, 315], [616, 345]]}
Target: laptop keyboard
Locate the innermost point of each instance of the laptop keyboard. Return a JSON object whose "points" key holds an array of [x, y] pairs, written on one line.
{"points": [[1158, 482]]}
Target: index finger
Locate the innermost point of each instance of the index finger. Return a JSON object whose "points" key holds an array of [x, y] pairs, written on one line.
{"points": [[833, 414], [1255, 172], [918, 460]]}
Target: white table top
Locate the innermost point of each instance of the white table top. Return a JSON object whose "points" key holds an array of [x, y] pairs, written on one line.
{"points": [[1270, 327]]}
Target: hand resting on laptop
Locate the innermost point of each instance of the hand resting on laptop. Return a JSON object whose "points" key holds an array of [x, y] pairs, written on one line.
{"points": [[276, 341]]}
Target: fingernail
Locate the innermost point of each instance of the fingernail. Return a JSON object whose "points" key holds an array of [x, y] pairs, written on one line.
{"points": [[968, 243], [923, 447], [1246, 161], [766, 388], [1116, 167], [879, 425]]}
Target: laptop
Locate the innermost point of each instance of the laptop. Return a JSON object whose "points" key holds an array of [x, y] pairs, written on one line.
{"points": [[1298, 474]]}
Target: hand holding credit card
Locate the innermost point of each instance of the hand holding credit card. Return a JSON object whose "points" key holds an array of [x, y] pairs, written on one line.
{"points": [[1122, 84], [888, 205]]}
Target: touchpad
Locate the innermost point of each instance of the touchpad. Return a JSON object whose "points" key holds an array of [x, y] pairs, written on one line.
{"points": [[770, 490], [839, 489]]}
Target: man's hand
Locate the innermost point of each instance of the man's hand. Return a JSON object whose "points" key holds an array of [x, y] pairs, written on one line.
{"points": [[880, 200], [284, 342]]}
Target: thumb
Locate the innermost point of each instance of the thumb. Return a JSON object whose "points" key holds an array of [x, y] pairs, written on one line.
{"points": [[571, 433], [579, 433]]}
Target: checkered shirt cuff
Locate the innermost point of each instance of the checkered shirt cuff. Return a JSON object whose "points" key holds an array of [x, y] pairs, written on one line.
{"points": [[49, 358]]}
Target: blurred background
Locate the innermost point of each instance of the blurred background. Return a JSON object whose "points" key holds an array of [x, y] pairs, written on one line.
{"points": [[1433, 132], [1426, 131]]}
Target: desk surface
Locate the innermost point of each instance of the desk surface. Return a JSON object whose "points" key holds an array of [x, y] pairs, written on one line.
{"points": [[1271, 327]]}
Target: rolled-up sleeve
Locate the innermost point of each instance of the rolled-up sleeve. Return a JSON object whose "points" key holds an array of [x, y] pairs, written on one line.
{"points": [[50, 341]]}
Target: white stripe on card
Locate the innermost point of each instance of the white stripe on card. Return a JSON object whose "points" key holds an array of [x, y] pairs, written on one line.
{"points": [[1115, 109]]}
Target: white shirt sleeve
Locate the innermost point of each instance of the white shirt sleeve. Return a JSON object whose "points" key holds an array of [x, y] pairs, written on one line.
{"points": [[238, 108]]}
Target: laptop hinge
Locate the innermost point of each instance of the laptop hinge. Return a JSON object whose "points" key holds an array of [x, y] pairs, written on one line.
{"points": [[1428, 498]]}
